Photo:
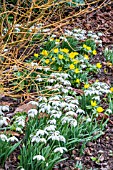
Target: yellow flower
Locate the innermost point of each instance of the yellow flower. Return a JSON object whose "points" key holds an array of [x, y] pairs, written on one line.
{"points": [[47, 61], [44, 52], [60, 68], [53, 59], [77, 70], [77, 81], [72, 67], [88, 48], [60, 56], [65, 50], [93, 103], [73, 54], [84, 46], [98, 65], [111, 89], [55, 50], [75, 61], [86, 56], [94, 52], [86, 86], [57, 40], [100, 109], [35, 55]]}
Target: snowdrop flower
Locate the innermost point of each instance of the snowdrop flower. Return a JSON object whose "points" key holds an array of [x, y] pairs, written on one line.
{"points": [[88, 119], [22, 169], [3, 137], [32, 112], [39, 158], [80, 111], [58, 115], [5, 108], [96, 98], [39, 79], [12, 139], [58, 138], [51, 80], [58, 86], [41, 132], [19, 129], [34, 64], [60, 149], [46, 30], [67, 83], [46, 69], [53, 121], [65, 75], [44, 99], [71, 113], [109, 111], [65, 90], [38, 139], [3, 121], [33, 103], [73, 123], [50, 128]]}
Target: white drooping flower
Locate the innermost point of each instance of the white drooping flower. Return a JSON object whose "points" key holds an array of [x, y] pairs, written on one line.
{"points": [[3, 137], [5, 108], [60, 149], [50, 128], [53, 121], [32, 113], [71, 113], [41, 132], [19, 129], [58, 137], [4, 121], [33, 103], [38, 139], [13, 139], [80, 111], [39, 158]]}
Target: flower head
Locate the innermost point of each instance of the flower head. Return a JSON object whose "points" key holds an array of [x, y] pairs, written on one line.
{"points": [[65, 50], [100, 109], [93, 103], [44, 52], [55, 50], [39, 158], [36, 55], [47, 61], [99, 65], [86, 86], [94, 52], [60, 56], [72, 67], [73, 54], [111, 89], [77, 71], [60, 149]]}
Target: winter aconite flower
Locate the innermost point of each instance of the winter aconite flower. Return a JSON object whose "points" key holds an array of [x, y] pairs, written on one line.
{"points": [[36, 55], [86, 86], [60, 56], [77, 81], [55, 50], [99, 65], [93, 103], [111, 89], [100, 109], [44, 52], [65, 50], [94, 52], [75, 61], [53, 59], [86, 56], [77, 71], [72, 67], [47, 61], [73, 54]]}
